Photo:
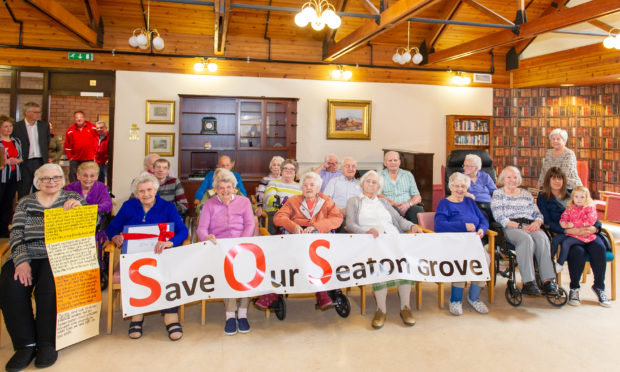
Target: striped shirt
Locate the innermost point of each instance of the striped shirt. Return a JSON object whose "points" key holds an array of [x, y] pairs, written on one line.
{"points": [[260, 190], [171, 190], [507, 207], [27, 232], [401, 190], [281, 189]]}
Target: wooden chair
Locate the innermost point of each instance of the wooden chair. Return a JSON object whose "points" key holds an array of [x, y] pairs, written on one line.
{"points": [[114, 288], [426, 220]]}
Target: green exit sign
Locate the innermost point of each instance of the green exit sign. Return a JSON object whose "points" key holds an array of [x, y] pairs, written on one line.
{"points": [[80, 56]]}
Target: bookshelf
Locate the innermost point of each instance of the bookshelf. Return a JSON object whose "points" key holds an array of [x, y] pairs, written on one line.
{"points": [[468, 132], [523, 119]]}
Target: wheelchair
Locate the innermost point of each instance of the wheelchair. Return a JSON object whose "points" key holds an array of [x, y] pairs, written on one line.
{"points": [[340, 302]]}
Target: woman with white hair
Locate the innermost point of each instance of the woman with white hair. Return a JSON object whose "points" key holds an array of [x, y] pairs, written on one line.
{"points": [[28, 270], [369, 214], [228, 215], [456, 213], [515, 209], [148, 208], [310, 212], [562, 157], [481, 186], [274, 174]]}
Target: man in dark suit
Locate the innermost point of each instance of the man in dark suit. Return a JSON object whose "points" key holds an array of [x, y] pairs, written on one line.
{"points": [[34, 135]]}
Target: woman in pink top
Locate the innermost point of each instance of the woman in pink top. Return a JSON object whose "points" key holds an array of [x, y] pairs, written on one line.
{"points": [[228, 216], [580, 212]]}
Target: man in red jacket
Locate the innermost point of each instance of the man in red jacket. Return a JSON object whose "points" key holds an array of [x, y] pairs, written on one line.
{"points": [[80, 143], [101, 154]]}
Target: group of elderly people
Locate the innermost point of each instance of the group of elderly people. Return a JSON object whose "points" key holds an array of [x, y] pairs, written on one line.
{"points": [[327, 199]]}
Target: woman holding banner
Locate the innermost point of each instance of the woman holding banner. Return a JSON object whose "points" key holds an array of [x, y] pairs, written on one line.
{"points": [[368, 214], [310, 212], [28, 269], [456, 213], [149, 208], [228, 216]]}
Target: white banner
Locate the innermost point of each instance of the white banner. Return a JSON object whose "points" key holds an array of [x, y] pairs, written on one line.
{"points": [[305, 263]]}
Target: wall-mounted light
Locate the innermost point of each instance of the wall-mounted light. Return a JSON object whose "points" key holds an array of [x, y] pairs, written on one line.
{"points": [[143, 37], [318, 13], [209, 64], [403, 55], [341, 73], [611, 41], [134, 133], [460, 79]]}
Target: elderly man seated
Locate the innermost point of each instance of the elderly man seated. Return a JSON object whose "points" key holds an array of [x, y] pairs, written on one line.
{"points": [[400, 189], [341, 188], [223, 162], [170, 189], [328, 170]]}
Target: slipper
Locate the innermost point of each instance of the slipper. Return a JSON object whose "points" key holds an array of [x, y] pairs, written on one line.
{"points": [[133, 328], [176, 328]]}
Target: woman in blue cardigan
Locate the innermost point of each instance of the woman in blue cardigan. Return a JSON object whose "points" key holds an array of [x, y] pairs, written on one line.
{"points": [[457, 213], [145, 209]]}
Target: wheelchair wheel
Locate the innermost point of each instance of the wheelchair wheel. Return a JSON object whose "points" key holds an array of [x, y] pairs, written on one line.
{"points": [[513, 294], [342, 305], [279, 307], [560, 299]]}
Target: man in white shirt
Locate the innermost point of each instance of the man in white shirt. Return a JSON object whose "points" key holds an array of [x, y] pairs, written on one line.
{"points": [[34, 135], [345, 186]]}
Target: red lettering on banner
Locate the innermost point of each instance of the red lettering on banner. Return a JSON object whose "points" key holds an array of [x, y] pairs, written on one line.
{"points": [[152, 284], [320, 262], [229, 272]]}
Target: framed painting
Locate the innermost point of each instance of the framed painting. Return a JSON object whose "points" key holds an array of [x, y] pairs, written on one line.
{"points": [[348, 119], [159, 112], [161, 144]]}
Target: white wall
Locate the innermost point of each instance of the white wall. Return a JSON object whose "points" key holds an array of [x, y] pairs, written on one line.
{"points": [[404, 116]]}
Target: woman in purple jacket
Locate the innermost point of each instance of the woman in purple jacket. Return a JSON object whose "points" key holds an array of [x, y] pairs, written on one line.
{"points": [[228, 216]]}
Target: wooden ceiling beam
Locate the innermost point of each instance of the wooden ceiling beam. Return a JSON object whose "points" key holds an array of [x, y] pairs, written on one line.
{"points": [[602, 25], [568, 17], [369, 7], [390, 17], [488, 12], [92, 11], [448, 11], [330, 34], [61, 15], [222, 20], [553, 7]]}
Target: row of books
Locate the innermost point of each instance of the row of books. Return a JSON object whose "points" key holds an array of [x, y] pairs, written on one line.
{"points": [[565, 123], [598, 100], [556, 111], [608, 89], [471, 125], [469, 139]]}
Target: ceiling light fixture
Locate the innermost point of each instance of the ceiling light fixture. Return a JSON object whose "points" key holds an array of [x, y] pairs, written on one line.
{"points": [[143, 38], [404, 55], [318, 13], [460, 79], [341, 73], [611, 41], [209, 64]]}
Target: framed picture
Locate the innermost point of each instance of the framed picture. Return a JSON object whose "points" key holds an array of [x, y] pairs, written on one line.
{"points": [[159, 112], [161, 144], [209, 125], [348, 119]]}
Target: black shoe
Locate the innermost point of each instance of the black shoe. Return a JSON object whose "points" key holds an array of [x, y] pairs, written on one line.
{"points": [[21, 359], [530, 288], [550, 288], [46, 356]]}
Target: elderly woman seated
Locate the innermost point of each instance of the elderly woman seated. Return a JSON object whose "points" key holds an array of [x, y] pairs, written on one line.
{"points": [[514, 208], [311, 212], [456, 213], [145, 209], [481, 186], [228, 215], [369, 214], [275, 167], [28, 269]]}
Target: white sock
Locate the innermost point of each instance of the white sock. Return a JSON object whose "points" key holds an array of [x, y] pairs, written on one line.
{"points": [[404, 292], [242, 313], [230, 314], [380, 297]]}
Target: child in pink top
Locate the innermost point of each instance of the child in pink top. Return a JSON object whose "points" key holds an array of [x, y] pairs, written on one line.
{"points": [[580, 212]]}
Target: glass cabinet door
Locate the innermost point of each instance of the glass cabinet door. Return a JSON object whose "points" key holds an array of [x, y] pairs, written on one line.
{"points": [[275, 124], [250, 123]]}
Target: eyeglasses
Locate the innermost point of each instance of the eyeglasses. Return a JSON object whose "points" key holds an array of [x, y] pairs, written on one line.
{"points": [[50, 179], [289, 169]]}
